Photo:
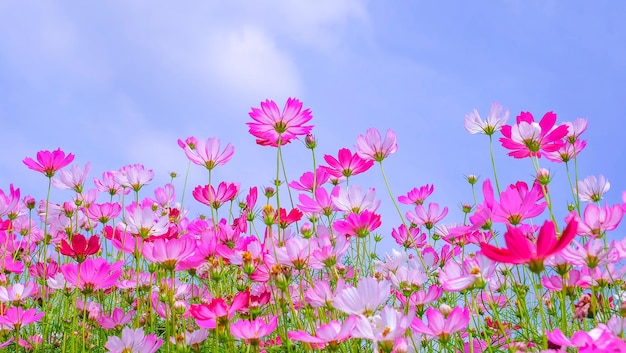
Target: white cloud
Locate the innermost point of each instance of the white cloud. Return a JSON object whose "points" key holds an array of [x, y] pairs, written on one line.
{"points": [[249, 61]]}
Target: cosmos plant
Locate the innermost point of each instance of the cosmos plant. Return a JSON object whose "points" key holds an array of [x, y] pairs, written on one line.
{"points": [[296, 266]]}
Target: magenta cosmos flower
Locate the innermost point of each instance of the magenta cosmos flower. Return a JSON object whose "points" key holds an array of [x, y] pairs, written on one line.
{"points": [[520, 250], [528, 138], [271, 127], [373, 147], [346, 164], [49, 162], [16, 317]]}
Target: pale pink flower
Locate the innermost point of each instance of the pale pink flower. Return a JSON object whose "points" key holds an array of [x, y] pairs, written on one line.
{"points": [[321, 294], [592, 254], [384, 328], [411, 238], [18, 292], [322, 204], [133, 341], [429, 218], [207, 153], [134, 176], [597, 219], [365, 298], [49, 162], [9, 204], [73, 179], [109, 184], [271, 127], [573, 281], [575, 129], [495, 120], [567, 152], [353, 200], [104, 212], [144, 222], [478, 269], [592, 189], [373, 147]]}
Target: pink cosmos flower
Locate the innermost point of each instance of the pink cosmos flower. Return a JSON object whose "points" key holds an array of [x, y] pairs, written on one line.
{"points": [[215, 198], [217, 312], [441, 326], [495, 120], [309, 181], [15, 317], [597, 219], [478, 270], [9, 203], [573, 281], [359, 225], [429, 218], [409, 238], [207, 152], [384, 328], [592, 254], [518, 203], [145, 223], [94, 275], [330, 334], [417, 196], [528, 138], [270, 127], [168, 253], [252, 330], [520, 250], [322, 204], [73, 179], [116, 320], [134, 176], [598, 339], [372, 147], [353, 200], [110, 184], [567, 152], [18, 292], [575, 129], [421, 298], [365, 298], [49, 162], [133, 341], [346, 164], [104, 212], [592, 189]]}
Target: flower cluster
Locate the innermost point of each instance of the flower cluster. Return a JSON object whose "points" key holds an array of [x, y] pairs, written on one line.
{"points": [[116, 268]]}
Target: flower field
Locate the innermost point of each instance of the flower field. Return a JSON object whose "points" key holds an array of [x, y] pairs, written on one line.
{"points": [[294, 267]]}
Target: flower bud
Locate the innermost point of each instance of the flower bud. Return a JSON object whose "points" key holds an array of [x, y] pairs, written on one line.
{"points": [[471, 179], [543, 176], [310, 141], [445, 309]]}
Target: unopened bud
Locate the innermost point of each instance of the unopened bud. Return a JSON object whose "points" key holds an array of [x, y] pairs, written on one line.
{"points": [[472, 179], [310, 141]]}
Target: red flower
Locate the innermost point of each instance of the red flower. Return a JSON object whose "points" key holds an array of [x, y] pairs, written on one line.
{"points": [[80, 248]]}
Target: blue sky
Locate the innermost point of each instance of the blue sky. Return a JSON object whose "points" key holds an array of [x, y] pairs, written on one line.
{"points": [[119, 82]]}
